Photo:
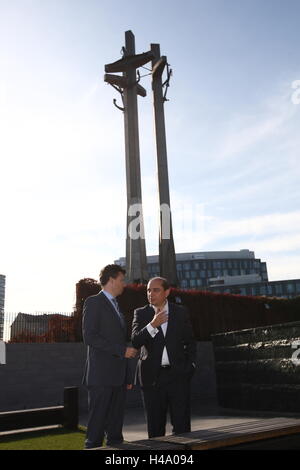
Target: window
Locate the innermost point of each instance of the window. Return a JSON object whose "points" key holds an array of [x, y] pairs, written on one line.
{"points": [[179, 266], [278, 289], [183, 283], [193, 283], [187, 266], [217, 264], [263, 267], [290, 288], [269, 289], [193, 274], [263, 290]]}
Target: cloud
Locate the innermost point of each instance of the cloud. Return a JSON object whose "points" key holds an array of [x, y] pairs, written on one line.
{"points": [[256, 226], [244, 131]]}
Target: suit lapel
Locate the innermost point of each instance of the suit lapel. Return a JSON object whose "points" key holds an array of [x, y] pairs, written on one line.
{"points": [[112, 308], [171, 321]]}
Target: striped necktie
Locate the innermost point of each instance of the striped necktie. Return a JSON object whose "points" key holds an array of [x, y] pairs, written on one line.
{"points": [[116, 305]]}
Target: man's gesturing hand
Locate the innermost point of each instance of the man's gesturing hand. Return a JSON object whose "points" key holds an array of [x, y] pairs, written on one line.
{"points": [[130, 353], [159, 318]]}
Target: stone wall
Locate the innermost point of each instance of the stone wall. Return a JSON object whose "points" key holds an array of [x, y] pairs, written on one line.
{"points": [[35, 375], [258, 369]]}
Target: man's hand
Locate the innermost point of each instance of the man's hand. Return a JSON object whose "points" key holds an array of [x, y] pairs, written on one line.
{"points": [[159, 318], [130, 353], [129, 386]]}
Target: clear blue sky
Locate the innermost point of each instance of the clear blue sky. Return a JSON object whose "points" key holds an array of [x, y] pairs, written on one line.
{"points": [[232, 129]]}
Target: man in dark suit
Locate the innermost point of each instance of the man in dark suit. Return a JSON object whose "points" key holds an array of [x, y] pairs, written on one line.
{"points": [[106, 371], [167, 359]]}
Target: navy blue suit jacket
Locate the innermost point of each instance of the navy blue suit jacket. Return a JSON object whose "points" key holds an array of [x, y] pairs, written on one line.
{"points": [[179, 341], [105, 337]]}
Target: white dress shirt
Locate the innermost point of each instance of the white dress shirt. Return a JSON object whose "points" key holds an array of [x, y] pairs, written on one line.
{"points": [[153, 332]]}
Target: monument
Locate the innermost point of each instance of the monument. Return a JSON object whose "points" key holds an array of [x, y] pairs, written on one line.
{"points": [[128, 86], [167, 257]]}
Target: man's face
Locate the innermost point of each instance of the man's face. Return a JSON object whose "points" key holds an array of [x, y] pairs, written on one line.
{"points": [[156, 293], [118, 284]]}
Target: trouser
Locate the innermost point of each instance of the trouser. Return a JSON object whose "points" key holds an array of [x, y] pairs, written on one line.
{"points": [[169, 393], [105, 416]]}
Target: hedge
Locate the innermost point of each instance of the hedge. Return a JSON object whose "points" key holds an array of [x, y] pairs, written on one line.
{"points": [[210, 312]]}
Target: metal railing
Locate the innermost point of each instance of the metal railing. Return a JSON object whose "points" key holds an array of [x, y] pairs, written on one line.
{"points": [[40, 327]]}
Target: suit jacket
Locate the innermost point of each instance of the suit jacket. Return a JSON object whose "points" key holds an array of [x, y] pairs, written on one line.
{"points": [[105, 337], [179, 341]]}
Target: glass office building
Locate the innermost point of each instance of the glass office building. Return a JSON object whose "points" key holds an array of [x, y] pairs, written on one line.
{"points": [[195, 270], [231, 272], [285, 288]]}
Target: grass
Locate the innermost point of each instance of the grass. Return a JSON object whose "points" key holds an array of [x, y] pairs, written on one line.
{"points": [[56, 439]]}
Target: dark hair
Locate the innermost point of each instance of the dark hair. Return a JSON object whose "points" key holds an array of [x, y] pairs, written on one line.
{"points": [[111, 270], [165, 284]]}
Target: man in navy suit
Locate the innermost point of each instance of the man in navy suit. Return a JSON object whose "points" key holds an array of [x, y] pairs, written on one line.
{"points": [[106, 373], [167, 359]]}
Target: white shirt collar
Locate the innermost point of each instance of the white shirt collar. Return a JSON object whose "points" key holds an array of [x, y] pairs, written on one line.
{"points": [[166, 307], [108, 294]]}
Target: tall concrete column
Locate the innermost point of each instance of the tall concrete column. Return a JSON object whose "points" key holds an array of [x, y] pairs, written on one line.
{"points": [[136, 260], [127, 85], [167, 258]]}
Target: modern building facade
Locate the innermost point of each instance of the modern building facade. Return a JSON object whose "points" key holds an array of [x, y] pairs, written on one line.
{"points": [[231, 272], [285, 288], [197, 270], [2, 302]]}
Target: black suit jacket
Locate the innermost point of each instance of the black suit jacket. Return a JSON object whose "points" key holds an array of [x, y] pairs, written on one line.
{"points": [[179, 341], [105, 337]]}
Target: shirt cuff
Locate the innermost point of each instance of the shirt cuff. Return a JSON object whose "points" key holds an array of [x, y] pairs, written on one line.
{"points": [[151, 330]]}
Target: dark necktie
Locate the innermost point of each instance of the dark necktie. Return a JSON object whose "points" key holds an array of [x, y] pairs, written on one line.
{"points": [[116, 305]]}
